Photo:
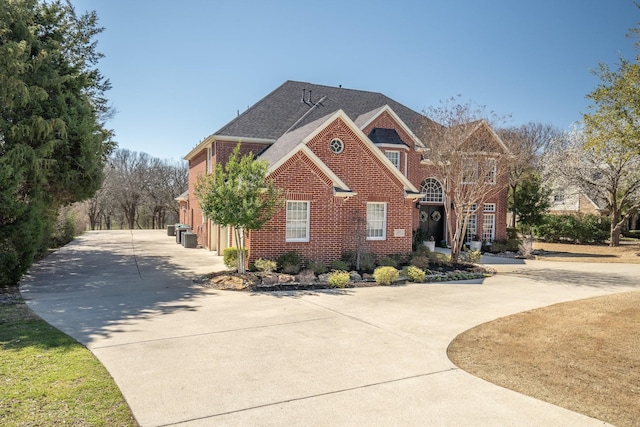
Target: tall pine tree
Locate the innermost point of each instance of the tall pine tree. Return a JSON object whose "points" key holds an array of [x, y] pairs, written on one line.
{"points": [[53, 143]]}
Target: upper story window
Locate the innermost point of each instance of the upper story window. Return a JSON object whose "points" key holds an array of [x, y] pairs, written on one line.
{"points": [[489, 207], [209, 160], [394, 157], [469, 171], [432, 190], [336, 145], [490, 170]]}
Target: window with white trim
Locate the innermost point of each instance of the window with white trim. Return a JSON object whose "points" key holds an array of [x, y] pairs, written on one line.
{"points": [[432, 190], [376, 221], [490, 170], [469, 171], [472, 227], [489, 207], [488, 227], [209, 160], [394, 157], [297, 221]]}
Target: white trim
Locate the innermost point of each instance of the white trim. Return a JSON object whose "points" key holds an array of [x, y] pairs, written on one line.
{"points": [[408, 186], [393, 146], [337, 182], [386, 152], [384, 222], [225, 138], [307, 225]]}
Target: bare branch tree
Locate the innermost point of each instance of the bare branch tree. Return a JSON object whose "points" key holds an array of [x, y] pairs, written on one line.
{"points": [[527, 144], [469, 159], [610, 172]]}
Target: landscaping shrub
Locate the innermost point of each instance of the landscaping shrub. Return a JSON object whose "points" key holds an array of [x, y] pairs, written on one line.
{"points": [[388, 261], [421, 250], [265, 265], [290, 262], [420, 262], [319, 267], [632, 234], [414, 274], [230, 256], [385, 275], [578, 228], [339, 265], [367, 260], [470, 256], [438, 258], [338, 278]]}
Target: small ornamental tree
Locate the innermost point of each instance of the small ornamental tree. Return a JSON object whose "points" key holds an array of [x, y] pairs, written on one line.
{"points": [[238, 194]]}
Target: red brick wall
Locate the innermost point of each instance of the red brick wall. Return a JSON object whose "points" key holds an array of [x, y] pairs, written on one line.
{"points": [[333, 220], [197, 166]]}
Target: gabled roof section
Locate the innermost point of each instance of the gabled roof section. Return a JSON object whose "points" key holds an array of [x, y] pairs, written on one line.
{"points": [[293, 142], [296, 104], [473, 127], [365, 119]]}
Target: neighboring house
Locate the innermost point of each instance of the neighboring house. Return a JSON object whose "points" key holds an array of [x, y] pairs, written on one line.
{"points": [[570, 199], [352, 171]]}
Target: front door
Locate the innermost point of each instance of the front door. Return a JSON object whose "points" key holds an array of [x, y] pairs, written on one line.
{"points": [[432, 222]]}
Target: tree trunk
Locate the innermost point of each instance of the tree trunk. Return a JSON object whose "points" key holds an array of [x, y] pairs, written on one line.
{"points": [[242, 269], [514, 207]]}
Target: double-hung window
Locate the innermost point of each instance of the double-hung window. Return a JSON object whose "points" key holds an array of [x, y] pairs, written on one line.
{"points": [[469, 171], [394, 157], [376, 221], [490, 167], [297, 221]]}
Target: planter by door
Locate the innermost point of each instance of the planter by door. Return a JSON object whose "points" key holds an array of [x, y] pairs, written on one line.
{"points": [[431, 245], [475, 245]]}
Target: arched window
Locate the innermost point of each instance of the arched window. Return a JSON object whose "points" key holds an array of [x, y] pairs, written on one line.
{"points": [[432, 190]]}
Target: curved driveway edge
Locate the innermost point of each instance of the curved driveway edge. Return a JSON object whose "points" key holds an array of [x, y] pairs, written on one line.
{"points": [[186, 355]]}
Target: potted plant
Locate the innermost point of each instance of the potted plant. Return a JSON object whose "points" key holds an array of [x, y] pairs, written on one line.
{"points": [[475, 244], [430, 244]]}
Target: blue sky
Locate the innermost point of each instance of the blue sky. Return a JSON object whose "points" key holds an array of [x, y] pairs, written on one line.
{"points": [[180, 70]]}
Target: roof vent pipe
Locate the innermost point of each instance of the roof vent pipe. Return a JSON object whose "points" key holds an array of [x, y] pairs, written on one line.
{"points": [[302, 99], [310, 97]]}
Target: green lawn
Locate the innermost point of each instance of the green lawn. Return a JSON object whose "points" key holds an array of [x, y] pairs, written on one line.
{"points": [[47, 378]]}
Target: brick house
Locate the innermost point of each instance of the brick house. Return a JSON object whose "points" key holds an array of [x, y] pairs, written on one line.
{"points": [[352, 171]]}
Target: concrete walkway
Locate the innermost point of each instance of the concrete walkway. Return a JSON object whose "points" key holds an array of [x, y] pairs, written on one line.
{"points": [[191, 356]]}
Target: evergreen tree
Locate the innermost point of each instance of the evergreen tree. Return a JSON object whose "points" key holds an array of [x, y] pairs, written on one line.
{"points": [[53, 143], [530, 202]]}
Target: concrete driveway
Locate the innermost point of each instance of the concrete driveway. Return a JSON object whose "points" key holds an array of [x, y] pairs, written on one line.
{"points": [[190, 356]]}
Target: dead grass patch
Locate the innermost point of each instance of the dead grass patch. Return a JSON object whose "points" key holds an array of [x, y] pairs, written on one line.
{"points": [[581, 355], [627, 252]]}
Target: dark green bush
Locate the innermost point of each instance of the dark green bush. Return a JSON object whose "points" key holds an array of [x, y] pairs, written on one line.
{"points": [[632, 234], [318, 267], [388, 261], [367, 260], [290, 262], [576, 228], [339, 265]]}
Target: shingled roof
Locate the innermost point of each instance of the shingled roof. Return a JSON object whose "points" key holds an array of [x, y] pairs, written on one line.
{"points": [[296, 104]]}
